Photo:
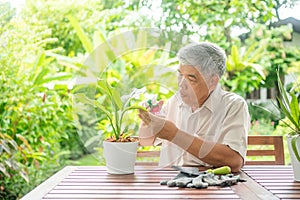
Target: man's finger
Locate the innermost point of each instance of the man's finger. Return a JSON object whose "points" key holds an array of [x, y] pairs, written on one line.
{"points": [[144, 115]]}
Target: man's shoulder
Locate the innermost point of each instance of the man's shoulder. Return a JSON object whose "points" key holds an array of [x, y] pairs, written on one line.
{"points": [[232, 97]]}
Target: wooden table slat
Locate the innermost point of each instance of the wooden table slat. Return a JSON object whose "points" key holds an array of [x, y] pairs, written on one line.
{"points": [[142, 191], [279, 180], [142, 196], [293, 187]]}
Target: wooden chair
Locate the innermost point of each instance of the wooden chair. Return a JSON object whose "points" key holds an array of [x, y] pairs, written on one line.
{"points": [[270, 146], [148, 157], [263, 149]]}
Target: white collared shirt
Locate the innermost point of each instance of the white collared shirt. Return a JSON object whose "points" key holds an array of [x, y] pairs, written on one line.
{"points": [[223, 118]]}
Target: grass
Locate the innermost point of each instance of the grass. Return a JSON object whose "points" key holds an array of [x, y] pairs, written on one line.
{"points": [[87, 160]]}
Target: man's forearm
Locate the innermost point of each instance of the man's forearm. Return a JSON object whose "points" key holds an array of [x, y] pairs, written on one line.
{"points": [[209, 152]]}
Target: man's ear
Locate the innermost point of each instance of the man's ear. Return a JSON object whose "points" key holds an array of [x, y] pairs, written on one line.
{"points": [[213, 82]]}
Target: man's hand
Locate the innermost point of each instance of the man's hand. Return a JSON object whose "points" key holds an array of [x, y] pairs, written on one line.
{"points": [[158, 126], [154, 107]]}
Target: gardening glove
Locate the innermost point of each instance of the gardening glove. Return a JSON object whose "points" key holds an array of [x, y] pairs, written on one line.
{"points": [[198, 182], [211, 179], [190, 177], [230, 179], [180, 180], [202, 181]]}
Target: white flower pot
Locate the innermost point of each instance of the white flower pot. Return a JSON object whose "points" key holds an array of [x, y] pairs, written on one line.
{"points": [[294, 160], [120, 156]]}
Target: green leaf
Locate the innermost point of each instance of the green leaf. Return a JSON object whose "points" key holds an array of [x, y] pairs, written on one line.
{"points": [[235, 56], [283, 93], [294, 107], [84, 99], [289, 108], [3, 170], [40, 76], [13, 144], [87, 44], [257, 54], [117, 99], [165, 54], [38, 62], [258, 68], [249, 51], [24, 175], [285, 110], [56, 77], [141, 41], [294, 147], [140, 45], [98, 38], [6, 147]]}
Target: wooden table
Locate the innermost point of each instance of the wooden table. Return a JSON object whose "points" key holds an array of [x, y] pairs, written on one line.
{"points": [[263, 182]]}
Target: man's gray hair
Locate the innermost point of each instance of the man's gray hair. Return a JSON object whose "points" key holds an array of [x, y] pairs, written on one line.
{"points": [[207, 57]]}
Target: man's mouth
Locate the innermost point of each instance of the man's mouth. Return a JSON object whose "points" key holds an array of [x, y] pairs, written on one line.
{"points": [[183, 94]]}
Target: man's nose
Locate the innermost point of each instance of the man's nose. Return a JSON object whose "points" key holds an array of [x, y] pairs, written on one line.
{"points": [[182, 82]]}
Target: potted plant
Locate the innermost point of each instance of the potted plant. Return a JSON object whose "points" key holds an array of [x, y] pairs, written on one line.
{"points": [[119, 148], [289, 107]]}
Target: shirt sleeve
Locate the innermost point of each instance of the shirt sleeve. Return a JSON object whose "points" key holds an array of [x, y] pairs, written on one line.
{"points": [[236, 126]]}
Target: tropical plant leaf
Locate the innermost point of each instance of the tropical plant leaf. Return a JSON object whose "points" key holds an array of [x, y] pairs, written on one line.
{"points": [[257, 53], [285, 110], [147, 57], [13, 144], [84, 99], [165, 54], [5, 147], [140, 45], [250, 50], [38, 61], [56, 77], [294, 107], [3, 170], [235, 56], [294, 147], [38, 79], [141, 40], [24, 140], [258, 68], [98, 38], [283, 93], [116, 96], [87, 44], [24, 174]]}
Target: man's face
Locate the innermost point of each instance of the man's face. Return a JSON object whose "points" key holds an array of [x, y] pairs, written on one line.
{"points": [[192, 86]]}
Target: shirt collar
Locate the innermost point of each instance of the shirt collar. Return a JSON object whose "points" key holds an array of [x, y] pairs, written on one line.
{"points": [[213, 98]]}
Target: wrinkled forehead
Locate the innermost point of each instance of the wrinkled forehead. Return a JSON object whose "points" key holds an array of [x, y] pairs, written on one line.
{"points": [[193, 70], [189, 70]]}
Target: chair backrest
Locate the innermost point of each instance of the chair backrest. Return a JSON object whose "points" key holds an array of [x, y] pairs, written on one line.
{"points": [[268, 148], [148, 157], [265, 146]]}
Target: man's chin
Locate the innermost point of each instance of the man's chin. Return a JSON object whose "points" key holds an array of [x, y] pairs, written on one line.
{"points": [[186, 100]]}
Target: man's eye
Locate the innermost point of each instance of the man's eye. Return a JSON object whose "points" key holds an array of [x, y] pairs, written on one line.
{"points": [[191, 78]]}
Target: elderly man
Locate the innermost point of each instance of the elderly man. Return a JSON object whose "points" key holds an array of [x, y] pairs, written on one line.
{"points": [[201, 124]]}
